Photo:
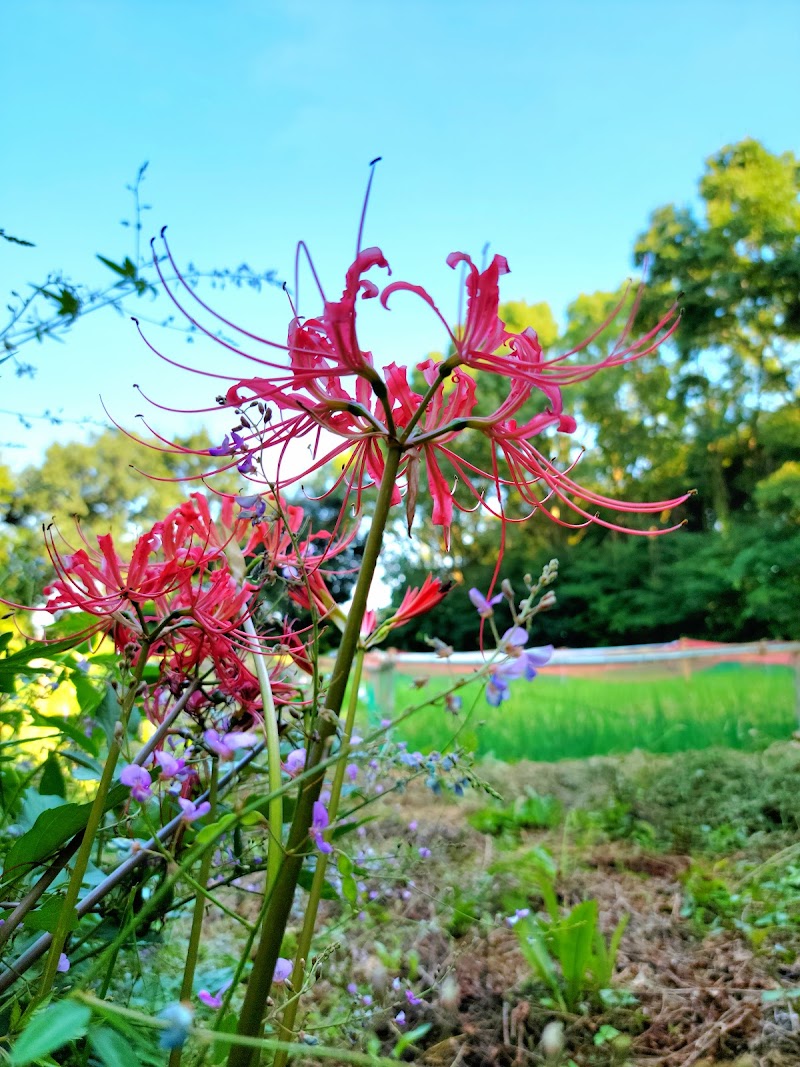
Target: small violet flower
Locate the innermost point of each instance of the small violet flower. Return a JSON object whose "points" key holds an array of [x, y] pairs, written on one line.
{"points": [[63, 963], [170, 766], [282, 972], [139, 781], [520, 913], [484, 607], [192, 811], [295, 762], [225, 745], [212, 1000], [400, 1018], [318, 826], [522, 663]]}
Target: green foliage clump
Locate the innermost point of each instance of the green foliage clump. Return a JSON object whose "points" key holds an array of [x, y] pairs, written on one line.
{"points": [[736, 795], [528, 812]]}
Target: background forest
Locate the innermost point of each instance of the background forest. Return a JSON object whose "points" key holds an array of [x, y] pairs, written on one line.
{"points": [[715, 409]]}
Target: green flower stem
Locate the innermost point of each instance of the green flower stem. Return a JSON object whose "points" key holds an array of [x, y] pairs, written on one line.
{"points": [[275, 809], [307, 1052], [93, 823], [244, 959], [426, 399], [193, 948], [215, 832], [286, 1028], [277, 915]]}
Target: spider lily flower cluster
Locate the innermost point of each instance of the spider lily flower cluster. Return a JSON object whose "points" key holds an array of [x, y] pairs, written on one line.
{"points": [[184, 594], [322, 386]]}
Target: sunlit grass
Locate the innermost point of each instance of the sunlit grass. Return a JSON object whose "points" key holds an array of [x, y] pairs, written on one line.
{"points": [[555, 718]]}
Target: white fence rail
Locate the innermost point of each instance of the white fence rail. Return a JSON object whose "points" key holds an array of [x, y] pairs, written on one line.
{"points": [[382, 667]]}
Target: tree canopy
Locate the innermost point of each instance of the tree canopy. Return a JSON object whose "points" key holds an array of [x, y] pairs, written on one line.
{"points": [[714, 409]]}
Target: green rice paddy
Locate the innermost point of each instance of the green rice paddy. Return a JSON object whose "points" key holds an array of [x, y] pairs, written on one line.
{"points": [[554, 718]]}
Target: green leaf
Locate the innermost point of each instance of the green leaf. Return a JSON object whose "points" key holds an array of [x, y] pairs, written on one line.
{"points": [[53, 829], [46, 918], [19, 662], [50, 1030], [213, 830], [118, 268], [92, 766], [535, 951], [343, 828], [307, 877], [772, 996], [67, 728], [406, 1040], [572, 940], [107, 713], [52, 781], [220, 1050], [605, 1034], [350, 890], [34, 805], [113, 1049], [87, 691]]}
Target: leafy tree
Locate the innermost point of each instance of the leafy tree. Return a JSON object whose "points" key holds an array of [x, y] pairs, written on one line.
{"points": [[736, 265], [716, 409]]}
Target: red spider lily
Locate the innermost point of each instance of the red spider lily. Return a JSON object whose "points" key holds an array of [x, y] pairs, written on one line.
{"points": [[310, 592], [415, 602], [297, 651], [419, 601], [313, 398], [191, 651]]}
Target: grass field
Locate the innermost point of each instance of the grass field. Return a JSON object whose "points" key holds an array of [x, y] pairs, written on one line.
{"points": [[569, 718]]}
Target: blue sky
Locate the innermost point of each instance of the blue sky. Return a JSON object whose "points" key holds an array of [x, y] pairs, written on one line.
{"points": [[551, 130]]}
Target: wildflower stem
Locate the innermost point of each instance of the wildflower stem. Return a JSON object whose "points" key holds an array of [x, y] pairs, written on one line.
{"points": [[106, 1010], [277, 915], [96, 813], [275, 809], [429, 394], [193, 948], [286, 1028]]}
